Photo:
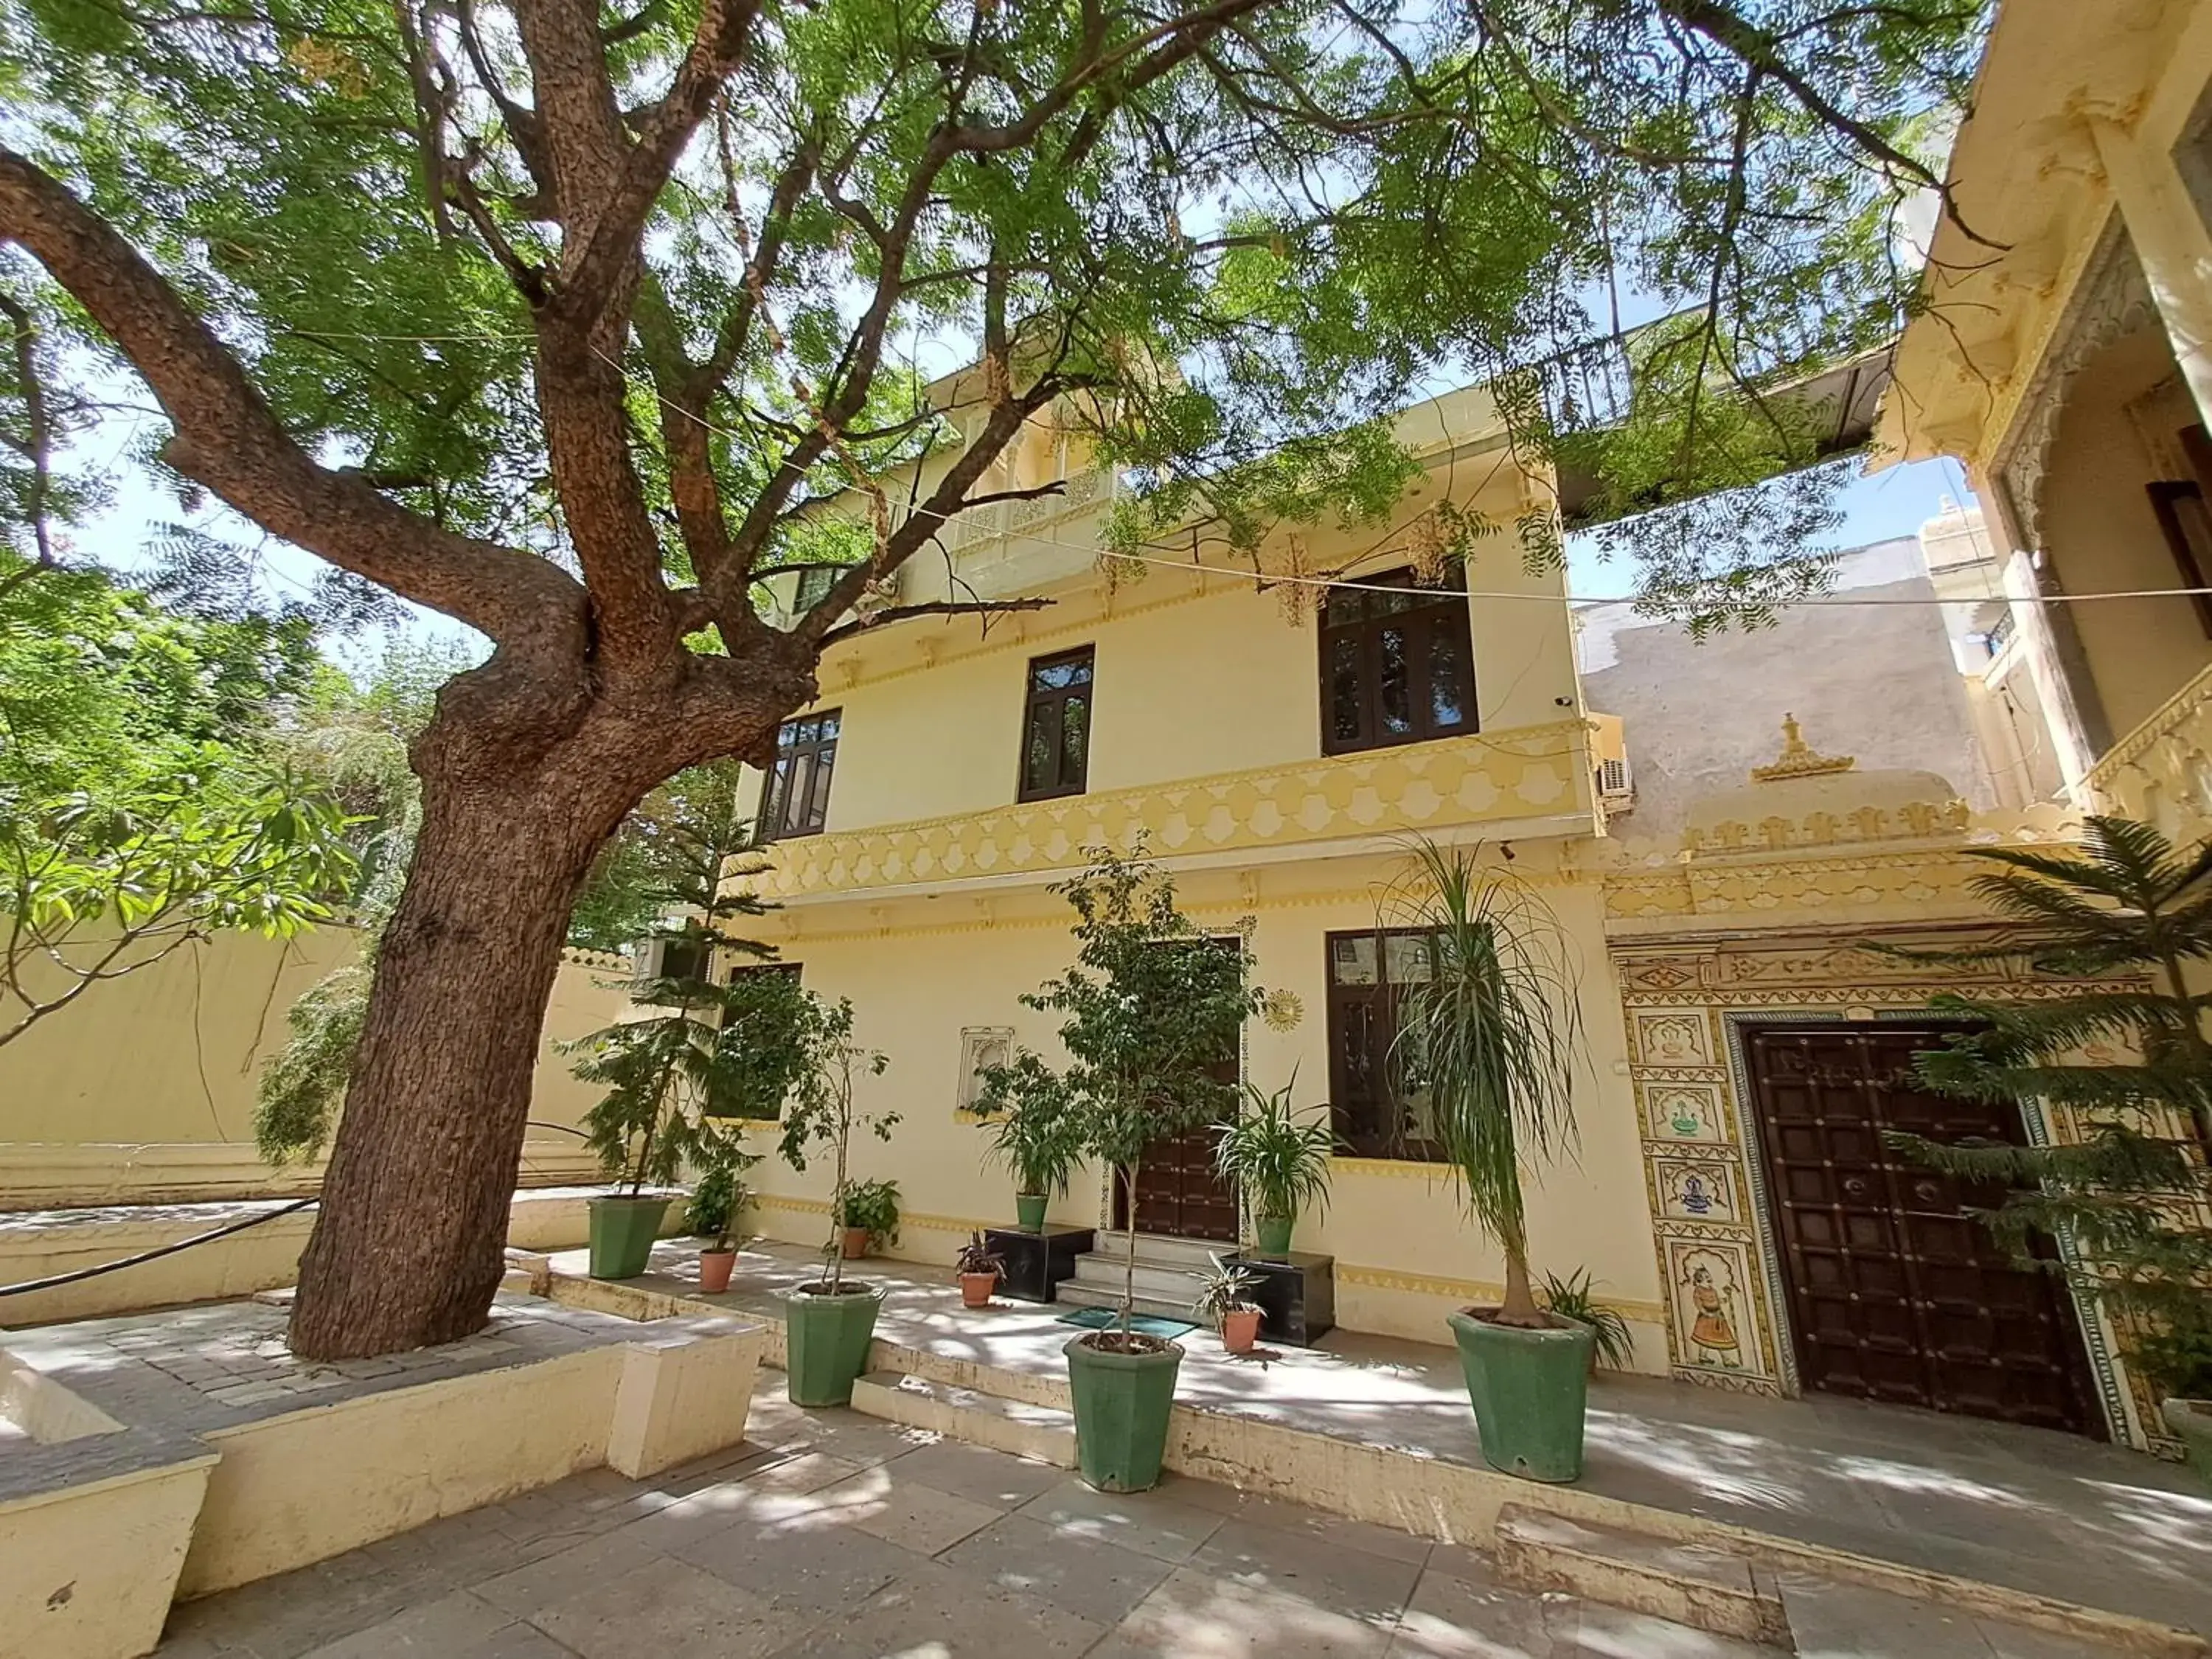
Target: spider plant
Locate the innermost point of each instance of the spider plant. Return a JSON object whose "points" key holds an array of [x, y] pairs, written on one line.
{"points": [[1279, 1165], [1612, 1343], [1223, 1290], [1491, 1036]]}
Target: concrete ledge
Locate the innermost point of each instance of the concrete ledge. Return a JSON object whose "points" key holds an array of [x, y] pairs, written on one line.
{"points": [[170, 1455], [1457, 1503], [88, 1572], [1696, 1584], [42, 1175], [43, 1244], [1014, 1427]]}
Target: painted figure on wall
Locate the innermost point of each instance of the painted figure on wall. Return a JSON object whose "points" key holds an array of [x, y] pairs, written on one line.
{"points": [[1712, 1331]]}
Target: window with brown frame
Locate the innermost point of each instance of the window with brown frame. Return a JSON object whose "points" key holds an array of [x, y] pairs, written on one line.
{"points": [[1376, 1108], [1056, 726], [1395, 667], [797, 800]]}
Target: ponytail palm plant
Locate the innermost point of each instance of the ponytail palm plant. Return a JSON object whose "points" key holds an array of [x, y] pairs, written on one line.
{"points": [[1488, 1031]]}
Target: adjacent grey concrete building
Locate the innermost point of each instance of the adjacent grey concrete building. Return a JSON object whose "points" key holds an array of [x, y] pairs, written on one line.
{"points": [[1886, 683]]}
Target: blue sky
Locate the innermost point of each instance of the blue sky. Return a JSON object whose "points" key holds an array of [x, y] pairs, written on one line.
{"points": [[1895, 502]]}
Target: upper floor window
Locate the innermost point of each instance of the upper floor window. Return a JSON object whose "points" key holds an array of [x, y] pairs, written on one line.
{"points": [[1056, 726], [797, 800], [1379, 1110], [1395, 667], [814, 587]]}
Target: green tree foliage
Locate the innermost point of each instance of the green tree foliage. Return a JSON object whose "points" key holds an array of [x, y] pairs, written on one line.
{"points": [[101, 683], [94, 887], [577, 321], [1148, 1012], [140, 811], [2121, 1212], [724, 1044], [1258, 224], [814, 1042]]}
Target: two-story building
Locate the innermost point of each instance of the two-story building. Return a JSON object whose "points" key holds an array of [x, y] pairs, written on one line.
{"points": [[1274, 740], [1274, 744]]}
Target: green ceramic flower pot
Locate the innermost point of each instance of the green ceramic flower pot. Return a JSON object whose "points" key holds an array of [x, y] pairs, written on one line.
{"points": [[2191, 1419], [1528, 1388], [623, 1231], [827, 1339], [1028, 1211], [1122, 1407], [1274, 1231]]}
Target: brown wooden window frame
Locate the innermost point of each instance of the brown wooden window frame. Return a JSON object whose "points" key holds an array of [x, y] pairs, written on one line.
{"points": [[819, 752], [1354, 1106], [1354, 620], [1051, 702]]}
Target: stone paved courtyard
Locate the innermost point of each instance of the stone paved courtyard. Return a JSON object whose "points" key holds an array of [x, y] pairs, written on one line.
{"points": [[836, 1536], [2037, 1511]]}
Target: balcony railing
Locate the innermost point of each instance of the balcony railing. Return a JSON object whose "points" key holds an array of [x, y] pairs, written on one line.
{"points": [[2161, 772], [1536, 775]]}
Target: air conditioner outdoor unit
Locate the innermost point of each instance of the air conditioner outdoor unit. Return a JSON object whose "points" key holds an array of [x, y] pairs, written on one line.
{"points": [[1615, 786], [646, 955]]}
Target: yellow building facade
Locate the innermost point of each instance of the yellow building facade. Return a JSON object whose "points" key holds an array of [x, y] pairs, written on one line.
{"points": [[1228, 722], [2065, 356]]}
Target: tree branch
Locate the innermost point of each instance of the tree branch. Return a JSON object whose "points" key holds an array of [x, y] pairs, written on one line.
{"points": [[935, 608], [38, 446], [228, 439], [592, 280]]}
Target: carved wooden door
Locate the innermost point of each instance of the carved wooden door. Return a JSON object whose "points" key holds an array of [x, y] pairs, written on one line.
{"points": [[1895, 1294]]}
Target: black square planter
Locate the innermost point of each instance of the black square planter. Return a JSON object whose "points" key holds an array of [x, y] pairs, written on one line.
{"points": [[1296, 1297], [1035, 1262]]}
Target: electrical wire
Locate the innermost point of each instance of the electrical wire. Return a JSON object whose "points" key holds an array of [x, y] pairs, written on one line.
{"points": [[80, 1274], [1345, 584]]}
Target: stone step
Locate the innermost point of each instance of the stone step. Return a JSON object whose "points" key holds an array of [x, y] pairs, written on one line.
{"points": [[981, 1419], [1077, 1295], [1192, 1255], [1832, 1621], [1701, 1585], [1160, 1284]]}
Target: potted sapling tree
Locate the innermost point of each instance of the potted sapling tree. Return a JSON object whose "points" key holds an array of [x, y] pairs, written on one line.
{"points": [[1278, 1164], [659, 1071], [1488, 1041], [1149, 1008], [1034, 1131], [829, 1321], [678, 1058], [978, 1268]]}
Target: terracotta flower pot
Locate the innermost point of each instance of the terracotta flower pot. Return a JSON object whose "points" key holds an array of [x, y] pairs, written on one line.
{"points": [[714, 1270], [1240, 1329], [856, 1243], [976, 1289]]}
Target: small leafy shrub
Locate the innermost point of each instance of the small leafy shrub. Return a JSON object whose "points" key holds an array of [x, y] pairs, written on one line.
{"points": [[873, 1205]]}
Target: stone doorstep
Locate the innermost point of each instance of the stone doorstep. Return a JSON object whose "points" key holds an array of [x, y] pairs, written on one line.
{"points": [[1161, 1284], [1074, 1293], [1431, 1486], [1701, 1585], [1015, 1426]]}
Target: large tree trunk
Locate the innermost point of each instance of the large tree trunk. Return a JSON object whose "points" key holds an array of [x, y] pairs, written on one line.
{"points": [[407, 1249]]}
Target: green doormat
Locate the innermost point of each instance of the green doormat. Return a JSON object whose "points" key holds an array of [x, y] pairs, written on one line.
{"points": [[1098, 1319]]}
